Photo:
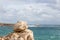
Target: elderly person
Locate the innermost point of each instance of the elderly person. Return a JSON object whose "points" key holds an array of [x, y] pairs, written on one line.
{"points": [[21, 32]]}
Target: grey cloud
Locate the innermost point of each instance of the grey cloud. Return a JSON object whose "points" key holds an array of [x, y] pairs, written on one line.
{"points": [[34, 12], [27, 1]]}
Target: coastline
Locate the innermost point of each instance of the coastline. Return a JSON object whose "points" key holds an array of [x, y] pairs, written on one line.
{"points": [[6, 24]]}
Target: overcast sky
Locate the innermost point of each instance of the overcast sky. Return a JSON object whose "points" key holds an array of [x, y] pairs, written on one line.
{"points": [[32, 11]]}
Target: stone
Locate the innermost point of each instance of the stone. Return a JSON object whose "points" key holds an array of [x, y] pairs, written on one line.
{"points": [[20, 26], [1, 38], [21, 32]]}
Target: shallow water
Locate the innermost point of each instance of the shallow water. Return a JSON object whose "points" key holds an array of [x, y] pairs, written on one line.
{"points": [[40, 33]]}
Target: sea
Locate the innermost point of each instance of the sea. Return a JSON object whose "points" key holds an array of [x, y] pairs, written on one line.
{"points": [[42, 32]]}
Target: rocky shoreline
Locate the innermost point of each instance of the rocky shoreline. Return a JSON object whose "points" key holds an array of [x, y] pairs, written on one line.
{"points": [[6, 24], [20, 32]]}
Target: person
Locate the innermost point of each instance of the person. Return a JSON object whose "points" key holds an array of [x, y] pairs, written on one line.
{"points": [[21, 32]]}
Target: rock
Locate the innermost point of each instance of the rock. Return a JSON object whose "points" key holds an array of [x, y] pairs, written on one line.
{"points": [[21, 32], [1, 38], [20, 26]]}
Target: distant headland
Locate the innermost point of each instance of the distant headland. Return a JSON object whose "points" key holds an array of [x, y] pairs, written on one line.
{"points": [[11, 24], [6, 24]]}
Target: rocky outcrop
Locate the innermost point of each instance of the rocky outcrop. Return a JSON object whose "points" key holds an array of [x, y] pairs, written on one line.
{"points": [[21, 32]]}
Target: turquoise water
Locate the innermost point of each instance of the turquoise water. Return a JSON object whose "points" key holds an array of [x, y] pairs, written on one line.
{"points": [[40, 33]]}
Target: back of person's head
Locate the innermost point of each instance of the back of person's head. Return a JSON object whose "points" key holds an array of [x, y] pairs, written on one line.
{"points": [[20, 26]]}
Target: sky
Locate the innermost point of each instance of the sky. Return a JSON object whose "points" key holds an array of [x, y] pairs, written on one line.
{"points": [[32, 11]]}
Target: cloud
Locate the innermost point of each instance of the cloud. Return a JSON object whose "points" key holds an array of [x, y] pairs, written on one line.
{"points": [[36, 11]]}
